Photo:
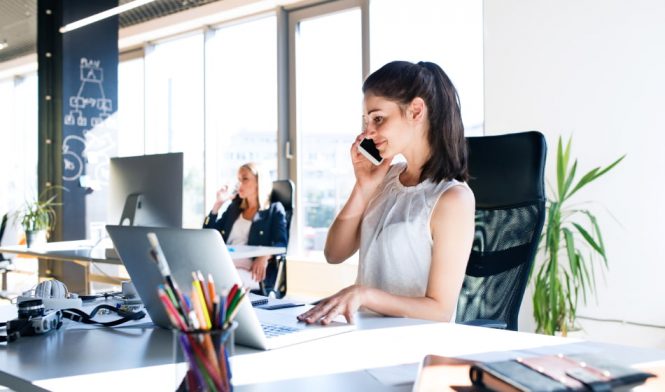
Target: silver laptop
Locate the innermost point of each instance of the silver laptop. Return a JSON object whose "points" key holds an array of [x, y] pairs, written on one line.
{"points": [[188, 250]]}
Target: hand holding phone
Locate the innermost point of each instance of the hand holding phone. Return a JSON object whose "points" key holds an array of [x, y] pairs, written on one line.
{"points": [[369, 150]]}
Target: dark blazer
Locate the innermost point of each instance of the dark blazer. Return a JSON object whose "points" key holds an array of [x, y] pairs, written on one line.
{"points": [[268, 227]]}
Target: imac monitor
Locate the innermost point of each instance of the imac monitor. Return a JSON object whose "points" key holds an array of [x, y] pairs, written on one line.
{"points": [[146, 190]]}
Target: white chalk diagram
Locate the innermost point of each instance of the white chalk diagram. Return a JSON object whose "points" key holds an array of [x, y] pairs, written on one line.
{"points": [[95, 146], [95, 153], [92, 74]]}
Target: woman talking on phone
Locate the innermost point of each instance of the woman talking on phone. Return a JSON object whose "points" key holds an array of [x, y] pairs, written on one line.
{"points": [[411, 222], [250, 219]]}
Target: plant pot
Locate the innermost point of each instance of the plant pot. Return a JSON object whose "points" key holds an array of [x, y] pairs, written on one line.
{"points": [[576, 332], [35, 239]]}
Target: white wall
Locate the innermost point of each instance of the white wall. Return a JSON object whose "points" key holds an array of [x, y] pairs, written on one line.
{"points": [[594, 69]]}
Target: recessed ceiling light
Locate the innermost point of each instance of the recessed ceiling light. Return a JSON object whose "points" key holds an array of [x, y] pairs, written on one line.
{"points": [[103, 15]]}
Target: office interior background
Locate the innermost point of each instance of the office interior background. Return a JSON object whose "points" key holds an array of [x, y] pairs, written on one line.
{"points": [[210, 81]]}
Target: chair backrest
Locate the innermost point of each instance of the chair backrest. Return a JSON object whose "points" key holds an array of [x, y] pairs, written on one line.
{"points": [[3, 226], [275, 281], [3, 230], [507, 178], [282, 191]]}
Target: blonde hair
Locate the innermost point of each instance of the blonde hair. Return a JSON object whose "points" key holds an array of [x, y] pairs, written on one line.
{"points": [[263, 183]]}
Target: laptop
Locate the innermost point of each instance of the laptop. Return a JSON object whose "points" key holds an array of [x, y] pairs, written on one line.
{"points": [[188, 250]]}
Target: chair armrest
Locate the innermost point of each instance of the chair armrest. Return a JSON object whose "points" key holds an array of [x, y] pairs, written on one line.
{"points": [[486, 323]]}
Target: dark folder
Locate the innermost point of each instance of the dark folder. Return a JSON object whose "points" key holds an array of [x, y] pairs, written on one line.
{"points": [[553, 373]]}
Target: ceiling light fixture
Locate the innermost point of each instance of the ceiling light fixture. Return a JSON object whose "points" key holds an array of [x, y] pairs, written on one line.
{"points": [[103, 15], [3, 44]]}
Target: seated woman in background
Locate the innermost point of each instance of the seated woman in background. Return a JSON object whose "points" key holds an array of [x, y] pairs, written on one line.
{"points": [[250, 219]]}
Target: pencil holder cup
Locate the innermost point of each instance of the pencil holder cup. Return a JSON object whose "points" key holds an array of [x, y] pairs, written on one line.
{"points": [[202, 359]]}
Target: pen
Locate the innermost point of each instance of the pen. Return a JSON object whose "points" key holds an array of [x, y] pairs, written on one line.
{"points": [[208, 365], [231, 295], [211, 290], [158, 255], [171, 311], [197, 292], [198, 308], [230, 318], [235, 305], [222, 310], [214, 314], [188, 351], [204, 290]]}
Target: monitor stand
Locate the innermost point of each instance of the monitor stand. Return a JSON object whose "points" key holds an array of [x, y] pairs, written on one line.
{"points": [[133, 203]]}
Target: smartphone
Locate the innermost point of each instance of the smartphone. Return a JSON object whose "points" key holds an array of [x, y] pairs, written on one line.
{"points": [[368, 149]]}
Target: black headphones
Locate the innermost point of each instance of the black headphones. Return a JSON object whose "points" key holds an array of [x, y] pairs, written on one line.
{"points": [[82, 317]]}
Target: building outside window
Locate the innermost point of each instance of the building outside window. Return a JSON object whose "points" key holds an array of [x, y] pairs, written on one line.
{"points": [[241, 101], [174, 112]]}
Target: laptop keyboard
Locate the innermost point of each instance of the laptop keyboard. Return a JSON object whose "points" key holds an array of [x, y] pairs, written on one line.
{"points": [[272, 330]]}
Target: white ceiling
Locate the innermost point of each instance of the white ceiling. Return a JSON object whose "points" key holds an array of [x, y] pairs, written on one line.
{"points": [[18, 21]]}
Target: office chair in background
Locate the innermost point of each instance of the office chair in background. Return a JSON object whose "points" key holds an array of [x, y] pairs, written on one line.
{"points": [[507, 178], [5, 262], [275, 280]]}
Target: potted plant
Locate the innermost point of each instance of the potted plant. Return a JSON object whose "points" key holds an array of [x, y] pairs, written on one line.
{"points": [[573, 244], [38, 217]]}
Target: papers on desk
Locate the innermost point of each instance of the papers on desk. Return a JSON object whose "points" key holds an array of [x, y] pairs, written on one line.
{"points": [[393, 376]]}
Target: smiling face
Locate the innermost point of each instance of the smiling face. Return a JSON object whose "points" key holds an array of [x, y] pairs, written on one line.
{"points": [[388, 125]]}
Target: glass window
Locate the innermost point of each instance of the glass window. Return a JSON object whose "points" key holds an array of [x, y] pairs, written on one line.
{"points": [[446, 32], [130, 112], [18, 131], [174, 112], [18, 176], [328, 83], [241, 99]]}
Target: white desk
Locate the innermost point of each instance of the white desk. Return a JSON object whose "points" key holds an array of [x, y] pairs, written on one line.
{"points": [[83, 250], [141, 359], [90, 251], [87, 251]]}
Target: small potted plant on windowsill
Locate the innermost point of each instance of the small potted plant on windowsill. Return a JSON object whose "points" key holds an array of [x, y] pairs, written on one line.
{"points": [[37, 217], [572, 244]]}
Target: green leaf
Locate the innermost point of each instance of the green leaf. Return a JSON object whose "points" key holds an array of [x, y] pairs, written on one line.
{"points": [[584, 277], [570, 249], [594, 174], [553, 217], [587, 178], [590, 239], [610, 166], [569, 181], [566, 154], [599, 236], [560, 167]]}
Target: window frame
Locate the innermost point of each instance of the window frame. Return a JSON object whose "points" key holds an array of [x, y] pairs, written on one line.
{"points": [[294, 17]]}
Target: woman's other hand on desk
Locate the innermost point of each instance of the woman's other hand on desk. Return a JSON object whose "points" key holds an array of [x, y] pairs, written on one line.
{"points": [[346, 303], [259, 268]]}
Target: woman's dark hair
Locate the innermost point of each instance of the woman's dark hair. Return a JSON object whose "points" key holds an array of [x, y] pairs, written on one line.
{"points": [[402, 81]]}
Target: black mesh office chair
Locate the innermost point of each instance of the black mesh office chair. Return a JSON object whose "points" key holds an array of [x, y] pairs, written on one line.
{"points": [[507, 178], [5, 262], [275, 280]]}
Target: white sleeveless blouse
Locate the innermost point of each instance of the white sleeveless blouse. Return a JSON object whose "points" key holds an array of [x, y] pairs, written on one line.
{"points": [[395, 236]]}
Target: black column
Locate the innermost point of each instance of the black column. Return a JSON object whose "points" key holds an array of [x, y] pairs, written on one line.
{"points": [[78, 78]]}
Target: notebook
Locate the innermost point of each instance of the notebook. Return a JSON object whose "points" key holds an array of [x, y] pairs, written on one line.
{"points": [[188, 250]]}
